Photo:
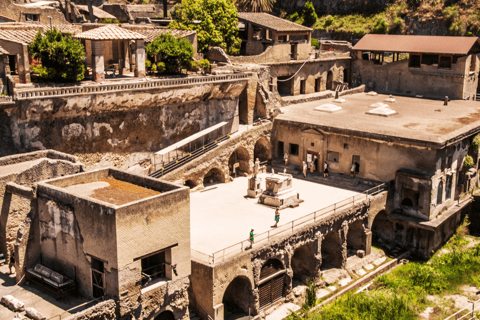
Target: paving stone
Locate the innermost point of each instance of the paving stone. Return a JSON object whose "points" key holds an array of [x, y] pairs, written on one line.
{"points": [[379, 261], [332, 288], [360, 272], [369, 267], [322, 293], [345, 281]]}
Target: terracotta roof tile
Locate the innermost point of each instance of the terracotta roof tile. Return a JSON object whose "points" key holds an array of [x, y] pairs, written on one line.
{"points": [[420, 44], [271, 22], [153, 33], [20, 36], [110, 32], [97, 12]]}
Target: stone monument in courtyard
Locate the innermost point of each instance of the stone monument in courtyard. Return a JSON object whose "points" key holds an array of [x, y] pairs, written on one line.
{"points": [[254, 189], [279, 191]]}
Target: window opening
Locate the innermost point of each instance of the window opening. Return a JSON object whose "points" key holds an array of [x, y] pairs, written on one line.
{"points": [[429, 59], [414, 61], [98, 278], [445, 62], [333, 156], [294, 149], [153, 267], [440, 193], [448, 189]]}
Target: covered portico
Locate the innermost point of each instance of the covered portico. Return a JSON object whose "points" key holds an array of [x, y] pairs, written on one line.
{"points": [[99, 36]]}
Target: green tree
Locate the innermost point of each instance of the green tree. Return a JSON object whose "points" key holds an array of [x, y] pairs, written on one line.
{"points": [[215, 22], [256, 5], [61, 56], [174, 53], [309, 15]]}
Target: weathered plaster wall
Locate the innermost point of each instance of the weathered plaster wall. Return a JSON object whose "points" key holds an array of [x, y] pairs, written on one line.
{"points": [[146, 120], [398, 77], [379, 160], [17, 12], [279, 52]]}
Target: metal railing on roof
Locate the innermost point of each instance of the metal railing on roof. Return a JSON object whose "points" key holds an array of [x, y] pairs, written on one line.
{"points": [[289, 228], [468, 313]]}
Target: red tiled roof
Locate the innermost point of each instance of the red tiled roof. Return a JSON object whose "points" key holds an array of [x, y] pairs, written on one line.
{"points": [[110, 32], [153, 33], [420, 44], [271, 22], [20, 36]]}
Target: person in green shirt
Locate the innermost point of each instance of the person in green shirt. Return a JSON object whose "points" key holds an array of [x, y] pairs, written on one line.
{"points": [[251, 238]]}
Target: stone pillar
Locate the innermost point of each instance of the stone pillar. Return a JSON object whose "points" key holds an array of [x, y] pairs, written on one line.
{"points": [[23, 65], [250, 32], [218, 312], [98, 66], [368, 241], [140, 59], [126, 52], [309, 37]]}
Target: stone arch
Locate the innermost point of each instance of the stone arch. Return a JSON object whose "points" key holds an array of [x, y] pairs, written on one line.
{"points": [[356, 236], [262, 150], [330, 80], [190, 183], [383, 230], [241, 156], [271, 286], [214, 175], [165, 315], [304, 264], [238, 296], [332, 251]]}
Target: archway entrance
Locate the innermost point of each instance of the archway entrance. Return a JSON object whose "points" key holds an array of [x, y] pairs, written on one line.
{"points": [[238, 298], [239, 161], [165, 315], [272, 282], [262, 150], [356, 239], [330, 80], [213, 176], [383, 230], [190, 184], [304, 265], [332, 256]]}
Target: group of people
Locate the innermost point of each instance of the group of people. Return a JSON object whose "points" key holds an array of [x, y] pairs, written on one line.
{"points": [[277, 220]]}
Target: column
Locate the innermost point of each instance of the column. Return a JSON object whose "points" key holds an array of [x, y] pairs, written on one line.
{"points": [[368, 241], [23, 65], [126, 51], [140, 59], [98, 66]]}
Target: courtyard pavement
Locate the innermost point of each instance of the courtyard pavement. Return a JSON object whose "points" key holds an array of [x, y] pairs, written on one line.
{"points": [[221, 215]]}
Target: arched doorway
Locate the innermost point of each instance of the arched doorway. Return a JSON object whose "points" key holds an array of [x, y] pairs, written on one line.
{"points": [[165, 315], [383, 230], [304, 265], [238, 298], [190, 184], [262, 150], [407, 202], [213, 176], [356, 238], [272, 282], [239, 160], [330, 80], [332, 251]]}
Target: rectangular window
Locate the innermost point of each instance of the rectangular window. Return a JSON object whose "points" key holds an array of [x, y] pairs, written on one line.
{"points": [[429, 59], [153, 267], [32, 17], [98, 278], [294, 149], [333, 156], [445, 62], [414, 61]]}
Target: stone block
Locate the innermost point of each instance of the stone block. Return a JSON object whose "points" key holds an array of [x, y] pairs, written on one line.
{"points": [[34, 314], [379, 261], [360, 272], [299, 291], [12, 303], [322, 293], [369, 266], [360, 253], [343, 282], [332, 288]]}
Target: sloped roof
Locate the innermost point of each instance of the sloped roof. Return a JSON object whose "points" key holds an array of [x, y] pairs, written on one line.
{"points": [[419, 44], [271, 22], [20, 36], [153, 33], [97, 12], [110, 32]]}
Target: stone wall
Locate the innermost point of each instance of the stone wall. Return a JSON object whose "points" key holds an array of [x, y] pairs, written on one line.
{"points": [[17, 12], [279, 52], [129, 120]]}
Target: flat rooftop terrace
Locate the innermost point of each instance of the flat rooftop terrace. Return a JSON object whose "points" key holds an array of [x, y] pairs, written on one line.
{"points": [[418, 120], [112, 191], [222, 215]]}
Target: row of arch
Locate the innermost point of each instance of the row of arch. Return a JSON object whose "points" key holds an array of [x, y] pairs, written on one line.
{"points": [[240, 155], [239, 294]]}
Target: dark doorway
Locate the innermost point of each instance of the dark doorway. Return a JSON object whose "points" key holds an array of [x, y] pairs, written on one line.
{"points": [[330, 80], [345, 75], [165, 315], [98, 278], [271, 289], [332, 251], [238, 298], [293, 51], [303, 84], [318, 82], [213, 176], [356, 239], [280, 151], [304, 264], [261, 150]]}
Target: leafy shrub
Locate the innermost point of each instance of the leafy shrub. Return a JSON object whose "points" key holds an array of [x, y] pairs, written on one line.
{"points": [[476, 142], [294, 17], [148, 64], [61, 56], [204, 64], [218, 23], [311, 295], [309, 15], [174, 53], [328, 21], [154, 67], [381, 25], [457, 28], [161, 67], [451, 13], [109, 20], [315, 43], [468, 161]]}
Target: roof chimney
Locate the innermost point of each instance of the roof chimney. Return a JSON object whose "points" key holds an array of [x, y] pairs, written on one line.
{"points": [[445, 103]]}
